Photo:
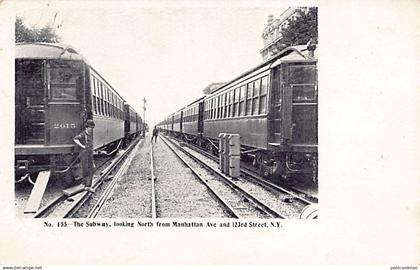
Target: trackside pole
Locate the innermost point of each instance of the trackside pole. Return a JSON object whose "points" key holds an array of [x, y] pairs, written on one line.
{"points": [[37, 192]]}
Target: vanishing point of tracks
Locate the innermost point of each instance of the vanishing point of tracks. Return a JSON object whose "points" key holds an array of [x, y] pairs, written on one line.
{"points": [[67, 206]]}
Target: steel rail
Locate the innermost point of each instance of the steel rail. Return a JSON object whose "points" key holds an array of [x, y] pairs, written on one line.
{"points": [[256, 178], [80, 198], [258, 204], [229, 208], [154, 213], [108, 191]]}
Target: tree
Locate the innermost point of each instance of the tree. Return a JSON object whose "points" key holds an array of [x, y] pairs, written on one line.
{"points": [[33, 34], [301, 29]]}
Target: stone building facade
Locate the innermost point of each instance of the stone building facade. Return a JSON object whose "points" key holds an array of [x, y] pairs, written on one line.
{"points": [[272, 32]]}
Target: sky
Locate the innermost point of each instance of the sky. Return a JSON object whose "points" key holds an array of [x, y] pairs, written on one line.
{"points": [[167, 54]]}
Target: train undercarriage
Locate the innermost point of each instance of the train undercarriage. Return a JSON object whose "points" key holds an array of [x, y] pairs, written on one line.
{"points": [[280, 167]]}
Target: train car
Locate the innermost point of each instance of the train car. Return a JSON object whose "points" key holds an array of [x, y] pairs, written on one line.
{"points": [[274, 108], [56, 92], [132, 123], [177, 123], [108, 114], [192, 121], [139, 125]]}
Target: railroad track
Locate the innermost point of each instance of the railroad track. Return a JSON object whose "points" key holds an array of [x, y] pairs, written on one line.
{"points": [[287, 203], [152, 178], [65, 206], [253, 176], [238, 202]]}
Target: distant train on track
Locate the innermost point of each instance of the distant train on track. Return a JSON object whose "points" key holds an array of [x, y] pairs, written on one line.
{"points": [[274, 108], [56, 92]]}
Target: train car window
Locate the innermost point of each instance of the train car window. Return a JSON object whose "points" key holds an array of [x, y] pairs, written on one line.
{"points": [[301, 74], [214, 108], [218, 106], [303, 92], [256, 102], [263, 95], [264, 85], [205, 110], [211, 108], [92, 85], [236, 105], [242, 100], [232, 102], [64, 79], [226, 114], [250, 90], [99, 106], [97, 87], [196, 113], [94, 105], [222, 106], [225, 106], [208, 109], [229, 104], [102, 107], [216, 113]]}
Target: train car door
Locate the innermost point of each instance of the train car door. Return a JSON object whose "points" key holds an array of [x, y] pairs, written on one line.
{"points": [[300, 99], [200, 117], [65, 86], [30, 101], [181, 119]]}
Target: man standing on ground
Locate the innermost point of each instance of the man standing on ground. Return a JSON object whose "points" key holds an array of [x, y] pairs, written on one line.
{"points": [[85, 141], [155, 134]]}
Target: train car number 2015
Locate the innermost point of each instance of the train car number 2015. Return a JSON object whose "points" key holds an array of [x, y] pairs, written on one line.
{"points": [[64, 125]]}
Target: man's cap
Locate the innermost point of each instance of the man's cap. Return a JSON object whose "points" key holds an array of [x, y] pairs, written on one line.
{"points": [[90, 123]]}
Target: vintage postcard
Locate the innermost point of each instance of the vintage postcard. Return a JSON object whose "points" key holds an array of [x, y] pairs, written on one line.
{"points": [[209, 132]]}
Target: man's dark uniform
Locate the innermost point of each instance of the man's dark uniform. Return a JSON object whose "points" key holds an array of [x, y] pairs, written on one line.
{"points": [[155, 134], [86, 156]]}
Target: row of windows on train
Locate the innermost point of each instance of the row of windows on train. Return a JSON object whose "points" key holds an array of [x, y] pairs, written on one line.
{"points": [[248, 99], [105, 102]]}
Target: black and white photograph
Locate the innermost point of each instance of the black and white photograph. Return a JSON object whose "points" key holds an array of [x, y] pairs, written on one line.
{"points": [[114, 119], [244, 134]]}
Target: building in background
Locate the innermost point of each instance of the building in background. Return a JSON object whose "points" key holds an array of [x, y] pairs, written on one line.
{"points": [[272, 33]]}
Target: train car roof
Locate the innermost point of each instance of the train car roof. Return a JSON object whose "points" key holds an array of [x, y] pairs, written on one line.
{"points": [[195, 101], [42, 50], [292, 53]]}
